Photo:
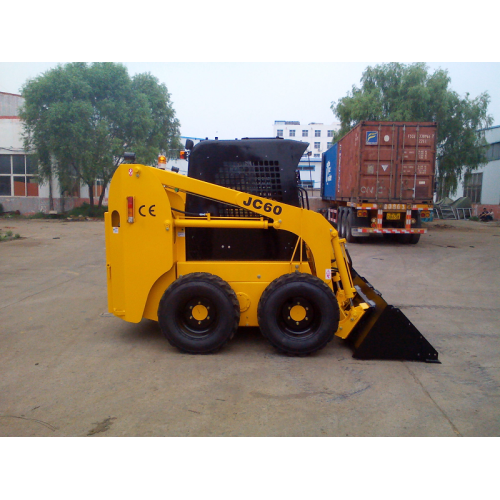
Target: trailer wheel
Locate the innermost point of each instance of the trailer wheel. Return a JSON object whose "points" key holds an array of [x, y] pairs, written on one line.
{"points": [[404, 239], [414, 239], [199, 313], [341, 222], [298, 314], [349, 219]]}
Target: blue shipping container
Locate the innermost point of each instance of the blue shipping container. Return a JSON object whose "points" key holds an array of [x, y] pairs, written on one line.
{"points": [[329, 173]]}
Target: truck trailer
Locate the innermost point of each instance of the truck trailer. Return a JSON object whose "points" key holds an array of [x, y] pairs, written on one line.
{"points": [[379, 179]]}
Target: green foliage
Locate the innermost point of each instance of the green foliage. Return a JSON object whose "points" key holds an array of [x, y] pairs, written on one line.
{"points": [[87, 211], [38, 215], [43, 215], [79, 119], [8, 236], [399, 92], [1, 209]]}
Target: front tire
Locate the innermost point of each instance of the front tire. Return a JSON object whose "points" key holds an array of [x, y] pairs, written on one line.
{"points": [[199, 313], [298, 313]]}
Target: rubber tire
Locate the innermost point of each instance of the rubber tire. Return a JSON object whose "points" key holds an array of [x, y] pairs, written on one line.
{"points": [[414, 239], [349, 222], [403, 239], [411, 239], [313, 334], [341, 228], [173, 310]]}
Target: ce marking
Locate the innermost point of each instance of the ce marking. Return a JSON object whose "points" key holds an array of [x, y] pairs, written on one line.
{"points": [[151, 210]]}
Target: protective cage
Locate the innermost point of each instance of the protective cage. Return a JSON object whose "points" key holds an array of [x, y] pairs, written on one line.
{"points": [[261, 167]]}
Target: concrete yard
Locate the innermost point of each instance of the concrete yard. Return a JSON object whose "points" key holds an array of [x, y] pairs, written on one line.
{"points": [[68, 368]]}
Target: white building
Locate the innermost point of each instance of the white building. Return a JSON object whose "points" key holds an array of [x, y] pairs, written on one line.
{"points": [[182, 164], [19, 186], [483, 185], [318, 135]]}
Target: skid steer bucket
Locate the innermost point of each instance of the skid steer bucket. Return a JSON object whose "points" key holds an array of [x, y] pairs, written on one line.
{"points": [[385, 332]]}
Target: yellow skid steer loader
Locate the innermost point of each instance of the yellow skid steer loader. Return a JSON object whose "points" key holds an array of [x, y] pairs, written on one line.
{"points": [[233, 244]]}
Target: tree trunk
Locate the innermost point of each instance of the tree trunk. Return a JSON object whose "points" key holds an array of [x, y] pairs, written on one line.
{"points": [[91, 198], [51, 197], [101, 196]]}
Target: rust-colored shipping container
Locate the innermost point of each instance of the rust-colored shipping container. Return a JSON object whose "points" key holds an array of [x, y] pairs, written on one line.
{"points": [[377, 172], [387, 161]]}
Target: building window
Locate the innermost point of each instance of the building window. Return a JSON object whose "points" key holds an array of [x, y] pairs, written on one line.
{"points": [[317, 145], [329, 145], [18, 176], [473, 184], [292, 133], [98, 188], [330, 133], [280, 133], [306, 184], [317, 133], [317, 155], [307, 167], [493, 152], [5, 189], [305, 133]]}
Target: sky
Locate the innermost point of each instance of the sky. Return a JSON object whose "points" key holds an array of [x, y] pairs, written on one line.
{"points": [[232, 69], [243, 99]]}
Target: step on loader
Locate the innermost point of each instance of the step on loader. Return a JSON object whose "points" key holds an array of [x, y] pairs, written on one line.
{"points": [[233, 244]]}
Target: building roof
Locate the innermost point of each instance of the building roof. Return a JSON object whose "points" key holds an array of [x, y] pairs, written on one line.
{"points": [[488, 128]]}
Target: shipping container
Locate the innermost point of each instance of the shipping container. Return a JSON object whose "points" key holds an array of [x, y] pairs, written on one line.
{"points": [[379, 179]]}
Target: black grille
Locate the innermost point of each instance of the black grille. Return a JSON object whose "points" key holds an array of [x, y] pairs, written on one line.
{"points": [[259, 167], [260, 178]]}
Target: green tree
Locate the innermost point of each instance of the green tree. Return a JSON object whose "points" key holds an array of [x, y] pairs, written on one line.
{"points": [[399, 92], [79, 119]]}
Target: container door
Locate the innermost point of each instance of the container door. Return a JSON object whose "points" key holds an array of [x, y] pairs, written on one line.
{"points": [[417, 150], [378, 162]]}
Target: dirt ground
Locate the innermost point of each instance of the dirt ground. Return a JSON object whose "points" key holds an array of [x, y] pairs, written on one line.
{"points": [[69, 368]]}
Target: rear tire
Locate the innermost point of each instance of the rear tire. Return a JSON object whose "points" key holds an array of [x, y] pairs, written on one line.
{"points": [[404, 239], [199, 313], [348, 226], [341, 228], [298, 313], [414, 239]]}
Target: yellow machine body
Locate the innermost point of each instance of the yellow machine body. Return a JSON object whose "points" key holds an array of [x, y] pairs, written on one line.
{"points": [[146, 252], [293, 302]]}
